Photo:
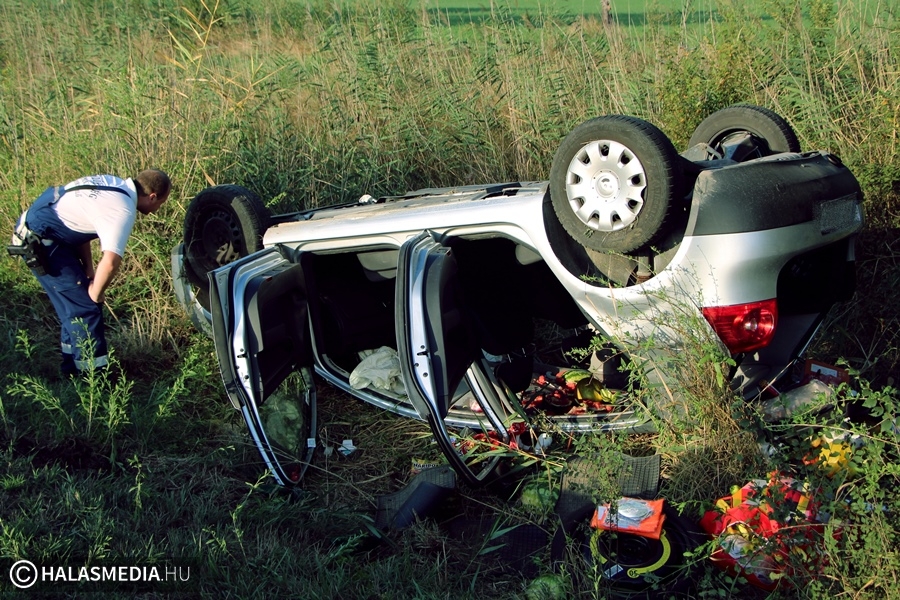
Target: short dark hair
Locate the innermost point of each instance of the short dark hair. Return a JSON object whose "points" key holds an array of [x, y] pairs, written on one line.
{"points": [[153, 181]]}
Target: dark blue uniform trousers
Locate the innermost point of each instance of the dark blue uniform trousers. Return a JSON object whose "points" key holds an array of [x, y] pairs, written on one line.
{"points": [[82, 336]]}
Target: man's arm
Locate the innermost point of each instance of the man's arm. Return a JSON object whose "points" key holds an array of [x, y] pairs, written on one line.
{"points": [[106, 271]]}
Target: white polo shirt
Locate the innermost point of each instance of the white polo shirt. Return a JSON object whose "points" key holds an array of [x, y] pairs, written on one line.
{"points": [[107, 213]]}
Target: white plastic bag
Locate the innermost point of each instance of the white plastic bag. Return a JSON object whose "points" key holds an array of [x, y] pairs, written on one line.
{"points": [[379, 370], [806, 396]]}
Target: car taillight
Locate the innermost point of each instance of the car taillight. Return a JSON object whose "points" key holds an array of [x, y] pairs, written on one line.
{"points": [[744, 327]]}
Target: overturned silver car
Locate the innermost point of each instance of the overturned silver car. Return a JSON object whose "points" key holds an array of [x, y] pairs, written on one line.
{"points": [[470, 297]]}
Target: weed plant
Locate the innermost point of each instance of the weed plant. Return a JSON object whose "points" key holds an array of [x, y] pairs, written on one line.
{"points": [[312, 103]]}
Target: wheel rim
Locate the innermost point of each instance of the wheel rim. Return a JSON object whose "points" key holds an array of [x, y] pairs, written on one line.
{"points": [[605, 185], [220, 240]]}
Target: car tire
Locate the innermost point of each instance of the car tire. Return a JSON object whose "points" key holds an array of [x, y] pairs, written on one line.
{"points": [[771, 132], [615, 181], [222, 223]]}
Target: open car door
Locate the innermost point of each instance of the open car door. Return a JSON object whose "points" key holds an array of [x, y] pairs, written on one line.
{"points": [[440, 358], [262, 336]]}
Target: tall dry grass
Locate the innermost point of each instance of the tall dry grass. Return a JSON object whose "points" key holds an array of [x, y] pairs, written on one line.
{"points": [[327, 104]]}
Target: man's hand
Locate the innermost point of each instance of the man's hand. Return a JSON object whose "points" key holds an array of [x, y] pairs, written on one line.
{"points": [[96, 294], [106, 270]]}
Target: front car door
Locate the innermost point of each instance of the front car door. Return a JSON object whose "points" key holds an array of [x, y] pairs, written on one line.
{"points": [[261, 331]]}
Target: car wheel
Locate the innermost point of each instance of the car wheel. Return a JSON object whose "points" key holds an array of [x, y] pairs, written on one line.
{"points": [[614, 183], [222, 223], [630, 566], [743, 132]]}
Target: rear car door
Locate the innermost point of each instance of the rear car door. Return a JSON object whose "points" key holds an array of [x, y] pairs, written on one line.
{"points": [[261, 331], [441, 361]]}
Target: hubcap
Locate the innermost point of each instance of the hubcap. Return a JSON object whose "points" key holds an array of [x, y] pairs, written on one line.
{"points": [[605, 185]]}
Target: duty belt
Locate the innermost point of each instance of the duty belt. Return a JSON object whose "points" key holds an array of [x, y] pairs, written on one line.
{"points": [[29, 246]]}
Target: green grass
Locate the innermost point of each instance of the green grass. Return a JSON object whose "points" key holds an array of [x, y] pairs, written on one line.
{"points": [[319, 102]]}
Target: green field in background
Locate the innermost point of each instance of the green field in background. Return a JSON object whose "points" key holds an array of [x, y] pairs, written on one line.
{"points": [[631, 12], [624, 12]]}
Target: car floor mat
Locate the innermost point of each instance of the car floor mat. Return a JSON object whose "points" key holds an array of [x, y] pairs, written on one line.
{"points": [[638, 478], [422, 494]]}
